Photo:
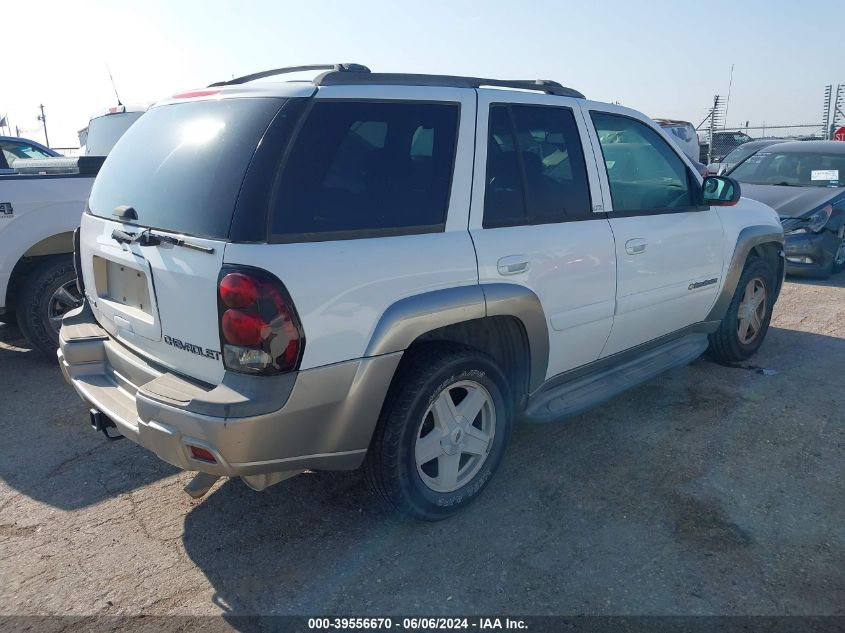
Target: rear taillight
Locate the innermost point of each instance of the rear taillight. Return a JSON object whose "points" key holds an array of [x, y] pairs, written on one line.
{"points": [[260, 330]]}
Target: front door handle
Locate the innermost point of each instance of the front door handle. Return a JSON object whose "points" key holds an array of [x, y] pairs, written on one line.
{"points": [[512, 264], [636, 246]]}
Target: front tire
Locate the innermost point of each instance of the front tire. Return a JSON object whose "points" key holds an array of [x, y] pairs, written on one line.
{"points": [[838, 259], [50, 292], [442, 432], [746, 322]]}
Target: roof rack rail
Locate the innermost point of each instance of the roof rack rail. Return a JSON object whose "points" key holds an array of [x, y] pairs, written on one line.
{"points": [[333, 68], [358, 74], [344, 78]]}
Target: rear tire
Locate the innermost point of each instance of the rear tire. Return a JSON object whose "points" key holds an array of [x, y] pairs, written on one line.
{"points": [[746, 322], [50, 291], [430, 456]]}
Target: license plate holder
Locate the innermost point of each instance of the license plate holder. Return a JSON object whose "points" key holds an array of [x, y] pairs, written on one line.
{"points": [[123, 285]]}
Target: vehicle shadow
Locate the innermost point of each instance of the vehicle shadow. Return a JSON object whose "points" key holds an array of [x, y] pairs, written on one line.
{"points": [[671, 498], [48, 451], [837, 280]]}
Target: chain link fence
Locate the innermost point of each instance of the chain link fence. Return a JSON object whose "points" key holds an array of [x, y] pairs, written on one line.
{"points": [[715, 144]]}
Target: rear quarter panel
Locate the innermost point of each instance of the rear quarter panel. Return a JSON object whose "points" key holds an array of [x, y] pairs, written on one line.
{"points": [[342, 288]]}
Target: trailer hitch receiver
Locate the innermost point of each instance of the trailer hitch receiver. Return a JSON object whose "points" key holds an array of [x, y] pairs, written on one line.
{"points": [[101, 422]]}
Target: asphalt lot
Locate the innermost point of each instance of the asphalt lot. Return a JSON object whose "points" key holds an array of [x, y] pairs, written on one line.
{"points": [[711, 490]]}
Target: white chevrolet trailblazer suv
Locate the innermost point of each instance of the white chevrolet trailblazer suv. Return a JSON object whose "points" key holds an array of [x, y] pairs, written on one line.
{"points": [[388, 270]]}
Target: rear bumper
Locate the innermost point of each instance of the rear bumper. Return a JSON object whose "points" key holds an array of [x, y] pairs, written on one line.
{"points": [[810, 253], [319, 418]]}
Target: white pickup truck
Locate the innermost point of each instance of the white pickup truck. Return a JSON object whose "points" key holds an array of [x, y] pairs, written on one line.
{"points": [[41, 201]]}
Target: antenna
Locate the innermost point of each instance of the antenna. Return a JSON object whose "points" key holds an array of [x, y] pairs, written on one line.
{"points": [[728, 102], [113, 86]]}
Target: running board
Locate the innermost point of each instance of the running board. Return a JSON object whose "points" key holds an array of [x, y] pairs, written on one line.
{"points": [[564, 397]]}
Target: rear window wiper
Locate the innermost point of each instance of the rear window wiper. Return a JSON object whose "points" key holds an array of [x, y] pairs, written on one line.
{"points": [[148, 238]]}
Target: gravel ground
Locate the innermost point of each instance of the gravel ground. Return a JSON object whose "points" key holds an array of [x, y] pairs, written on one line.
{"points": [[711, 490]]}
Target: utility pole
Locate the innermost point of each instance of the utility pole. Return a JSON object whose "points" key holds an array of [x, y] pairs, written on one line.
{"points": [[43, 120]]}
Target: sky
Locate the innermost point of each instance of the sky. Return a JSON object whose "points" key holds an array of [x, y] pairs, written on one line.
{"points": [[666, 59]]}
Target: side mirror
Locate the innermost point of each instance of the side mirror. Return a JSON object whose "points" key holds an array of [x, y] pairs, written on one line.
{"points": [[720, 191]]}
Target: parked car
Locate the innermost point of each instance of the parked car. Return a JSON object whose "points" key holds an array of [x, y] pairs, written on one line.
{"points": [[626, 136], [739, 155], [105, 128], [723, 144], [683, 133], [41, 201], [804, 181], [389, 269], [14, 147]]}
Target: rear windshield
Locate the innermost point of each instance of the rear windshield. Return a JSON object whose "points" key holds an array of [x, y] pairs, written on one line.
{"points": [[181, 166], [105, 131]]}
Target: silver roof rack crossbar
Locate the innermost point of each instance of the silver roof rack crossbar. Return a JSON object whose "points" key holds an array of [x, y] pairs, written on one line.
{"points": [[334, 68], [335, 78]]}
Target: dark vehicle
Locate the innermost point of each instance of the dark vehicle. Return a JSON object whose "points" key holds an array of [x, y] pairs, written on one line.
{"points": [[739, 155], [723, 143], [805, 183]]}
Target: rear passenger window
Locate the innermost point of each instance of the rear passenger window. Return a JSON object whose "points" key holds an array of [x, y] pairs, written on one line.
{"points": [[644, 172], [535, 167], [504, 195], [367, 166]]}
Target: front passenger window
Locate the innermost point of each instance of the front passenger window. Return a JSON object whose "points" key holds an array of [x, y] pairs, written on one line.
{"points": [[644, 173]]}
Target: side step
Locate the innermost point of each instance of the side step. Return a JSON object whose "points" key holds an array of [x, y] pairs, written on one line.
{"points": [[562, 397]]}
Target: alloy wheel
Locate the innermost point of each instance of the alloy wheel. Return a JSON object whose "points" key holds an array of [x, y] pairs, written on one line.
{"points": [[752, 311], [455, 436], [66, 298]]}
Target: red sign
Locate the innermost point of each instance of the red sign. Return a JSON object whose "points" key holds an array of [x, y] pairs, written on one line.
{"points": [[839, 135]]}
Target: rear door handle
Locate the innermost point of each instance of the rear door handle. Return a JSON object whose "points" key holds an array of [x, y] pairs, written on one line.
{"points": [[636, 246], [512, 264]]}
